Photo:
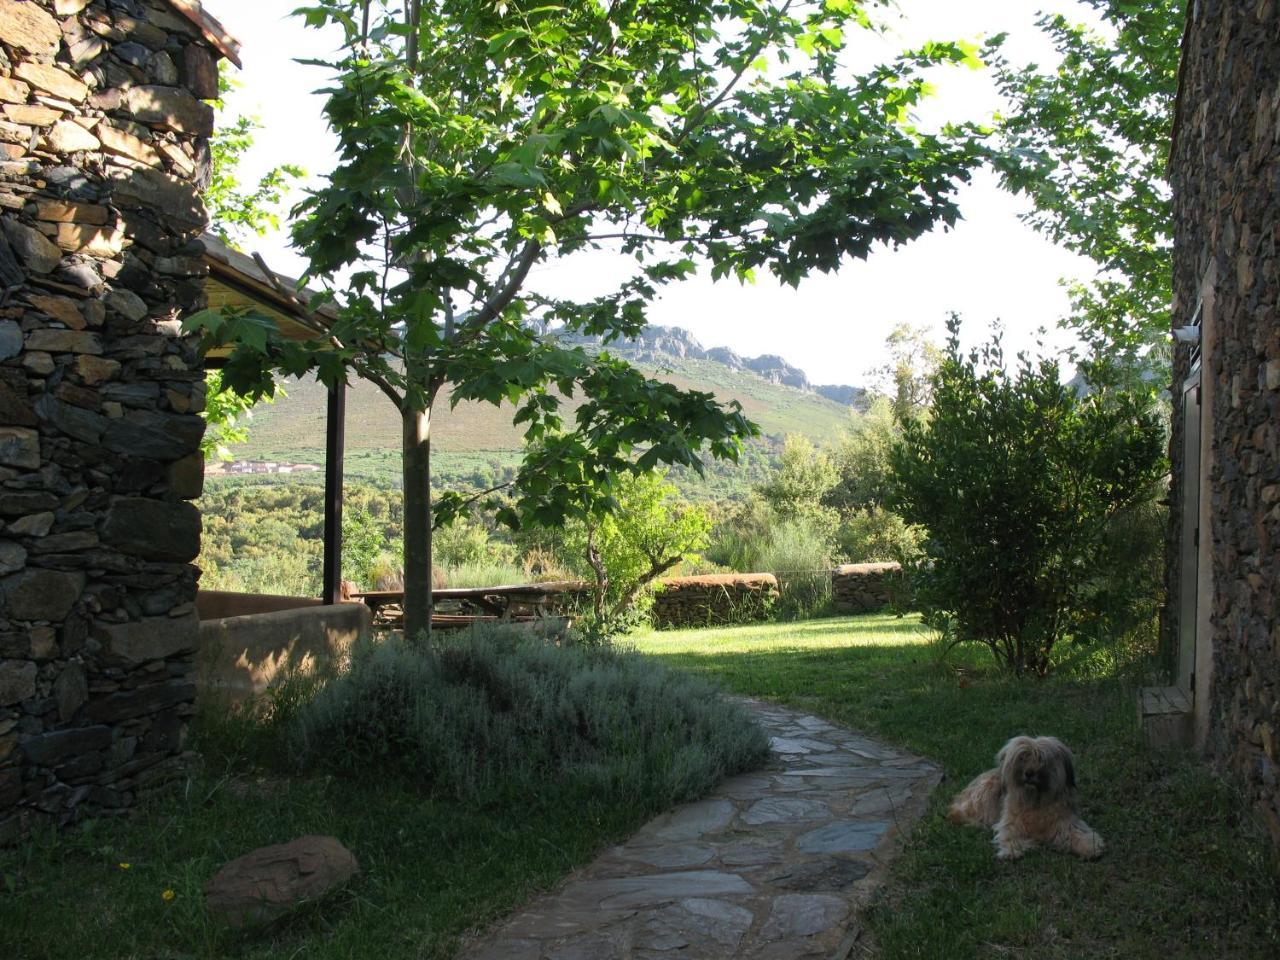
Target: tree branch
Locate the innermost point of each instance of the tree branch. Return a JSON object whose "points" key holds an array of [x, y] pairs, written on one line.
{"points": [[700, 114], [655, 570], [309, 319]]}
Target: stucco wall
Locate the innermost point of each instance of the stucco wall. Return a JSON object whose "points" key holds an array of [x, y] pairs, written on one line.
{"points": [[243, 656], [1225, 172]]}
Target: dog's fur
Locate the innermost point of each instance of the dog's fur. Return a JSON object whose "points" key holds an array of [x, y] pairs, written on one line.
{"points": [[1029, 799]]}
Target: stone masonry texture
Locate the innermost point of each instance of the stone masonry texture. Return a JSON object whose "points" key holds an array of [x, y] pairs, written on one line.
{"points": [[104, 150], [1225, 172]]}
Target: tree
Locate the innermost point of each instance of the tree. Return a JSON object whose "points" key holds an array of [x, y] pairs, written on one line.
{"points": [[1017, 480], [906, 378], [800, 483], [233, 213], [863, 472], [479, 140], [1089, 144], [627, 549]]}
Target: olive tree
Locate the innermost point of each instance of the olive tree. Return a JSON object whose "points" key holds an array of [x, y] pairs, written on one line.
{"points": [[478, 140]]}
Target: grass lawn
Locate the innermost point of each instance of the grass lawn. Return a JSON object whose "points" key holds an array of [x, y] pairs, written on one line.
{"points": [[1186, 873], [430, 870]]}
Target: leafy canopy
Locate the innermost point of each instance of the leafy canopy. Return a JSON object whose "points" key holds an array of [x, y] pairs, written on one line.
{"points": [[1088, 143], [1018, 481], [478, 140]]}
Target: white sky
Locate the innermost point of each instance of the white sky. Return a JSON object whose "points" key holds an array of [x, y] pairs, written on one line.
{"points": [[989, 267]]}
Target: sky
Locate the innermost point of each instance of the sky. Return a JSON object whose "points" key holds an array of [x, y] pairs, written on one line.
{"points": [[990, 267]]}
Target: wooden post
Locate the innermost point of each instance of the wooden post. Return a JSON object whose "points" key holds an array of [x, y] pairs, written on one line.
{"points": [[333, 448]]}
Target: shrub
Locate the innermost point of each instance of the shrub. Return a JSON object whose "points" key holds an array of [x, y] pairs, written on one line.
{"points": [[466, 543], [736, 541], [1018, 481], [872, 535], [497, 712], [802, 480]]}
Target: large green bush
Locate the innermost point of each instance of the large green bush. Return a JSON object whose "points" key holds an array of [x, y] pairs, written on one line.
{"points": [[497, 712], [1019, 482]]}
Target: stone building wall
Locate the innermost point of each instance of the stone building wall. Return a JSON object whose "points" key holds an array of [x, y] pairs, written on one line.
{"points": [[103, 150], [864, 587], [1225, 172], [714, 599]]}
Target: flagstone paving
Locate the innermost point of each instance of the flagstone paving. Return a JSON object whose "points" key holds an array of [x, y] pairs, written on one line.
{"points": [[769, 867]]}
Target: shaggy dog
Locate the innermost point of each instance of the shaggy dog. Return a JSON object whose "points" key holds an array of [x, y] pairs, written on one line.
{"points": [[1029, 799]]}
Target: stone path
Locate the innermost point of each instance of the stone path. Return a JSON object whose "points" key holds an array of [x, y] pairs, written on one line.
{"points": [[769, 867]]}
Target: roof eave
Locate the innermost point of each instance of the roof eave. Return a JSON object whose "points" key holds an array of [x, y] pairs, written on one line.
{"points": [[212, 30]]}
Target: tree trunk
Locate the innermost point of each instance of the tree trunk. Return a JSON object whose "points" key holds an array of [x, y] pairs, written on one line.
{"points": [[417, 524]]}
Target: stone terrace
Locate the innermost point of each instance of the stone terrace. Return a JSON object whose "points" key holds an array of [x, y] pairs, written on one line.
{"points": [[770, 867]]}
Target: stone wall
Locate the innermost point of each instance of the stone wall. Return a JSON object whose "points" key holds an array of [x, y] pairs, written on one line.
{"points": [[1226, 180], [103, 149], [864, 587], [714, 599]]}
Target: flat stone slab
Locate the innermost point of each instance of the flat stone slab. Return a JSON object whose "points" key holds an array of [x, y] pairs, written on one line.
{"points": [[774, 864]]}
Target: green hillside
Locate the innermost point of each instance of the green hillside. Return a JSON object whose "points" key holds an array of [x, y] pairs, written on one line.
{"points": [[476, 444]]}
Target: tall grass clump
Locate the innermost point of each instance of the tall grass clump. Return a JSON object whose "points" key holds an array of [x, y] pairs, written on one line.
{"points": [[799, 555], [498, 714]]}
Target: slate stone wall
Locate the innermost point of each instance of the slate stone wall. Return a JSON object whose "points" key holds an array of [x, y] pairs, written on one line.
{"points": [[864, 587], [714, 599], [1226, 180], [103, 149]]}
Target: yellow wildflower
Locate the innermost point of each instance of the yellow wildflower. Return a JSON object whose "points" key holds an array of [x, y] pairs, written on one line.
{"points": [[124, 866], [167, 896]]}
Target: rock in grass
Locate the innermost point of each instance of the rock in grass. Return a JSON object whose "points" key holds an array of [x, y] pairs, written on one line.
{"points": [[271, 881]]}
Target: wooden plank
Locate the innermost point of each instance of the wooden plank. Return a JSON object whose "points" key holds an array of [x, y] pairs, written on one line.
{"points": [[335, 436]]}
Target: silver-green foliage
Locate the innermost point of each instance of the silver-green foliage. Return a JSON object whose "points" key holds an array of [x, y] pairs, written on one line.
{"points": [[496, 712]]}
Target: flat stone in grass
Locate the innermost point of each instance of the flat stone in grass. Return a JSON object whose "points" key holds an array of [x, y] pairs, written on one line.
{"points": [[830, 873], [801, 745], [669, 857], [271, 881], [696, 926]]}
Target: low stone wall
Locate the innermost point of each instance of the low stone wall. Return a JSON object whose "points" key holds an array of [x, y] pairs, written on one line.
{"points": [[243, 656], [713, 599], [864, 587]]}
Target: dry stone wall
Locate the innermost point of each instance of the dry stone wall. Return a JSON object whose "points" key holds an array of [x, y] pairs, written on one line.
{"points": [[103, 151], [714, 599], [864, 587], [1226, 180]]}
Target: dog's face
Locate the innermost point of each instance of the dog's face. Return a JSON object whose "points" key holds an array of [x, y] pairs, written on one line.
{"points": [[1039, 768]]}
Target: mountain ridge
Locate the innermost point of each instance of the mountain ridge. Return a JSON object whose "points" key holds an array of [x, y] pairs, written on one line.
{"points": [[657, 342]]}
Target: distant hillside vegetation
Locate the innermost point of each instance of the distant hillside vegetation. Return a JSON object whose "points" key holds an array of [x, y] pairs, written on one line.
{"points": [[476, 444]]}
